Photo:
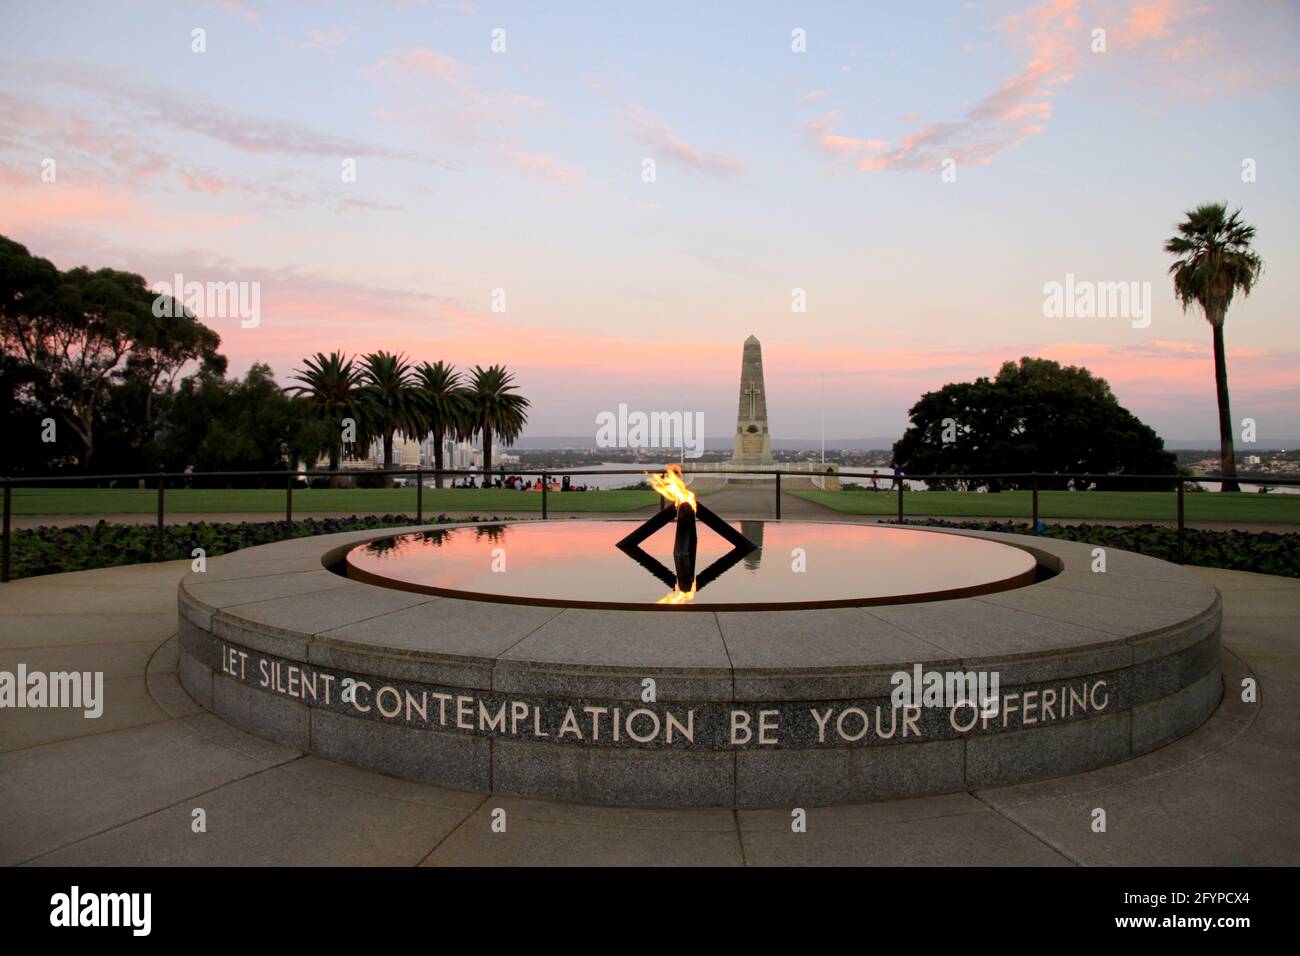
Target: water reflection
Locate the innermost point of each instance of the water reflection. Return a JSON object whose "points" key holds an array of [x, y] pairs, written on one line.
{"points": [[577, 562], [753, 530]]}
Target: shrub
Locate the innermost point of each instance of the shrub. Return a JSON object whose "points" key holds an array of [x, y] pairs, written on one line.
{"points": [[1264, 552], [52, 550]]}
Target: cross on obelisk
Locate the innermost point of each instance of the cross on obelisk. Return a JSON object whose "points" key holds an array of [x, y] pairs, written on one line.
{"points": [[753, 443]]}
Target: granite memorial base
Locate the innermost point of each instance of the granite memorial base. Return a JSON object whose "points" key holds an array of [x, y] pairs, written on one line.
{"points": [[724, 709]]}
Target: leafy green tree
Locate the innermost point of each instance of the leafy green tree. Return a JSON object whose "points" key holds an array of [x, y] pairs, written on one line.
{"points": [[219, 424], [389, 401], [495, 408], [95, 354], [162, 348], [444, 405], [23, 451], [332, 386], [1035, 415], [77, 336], [1214, 262]]}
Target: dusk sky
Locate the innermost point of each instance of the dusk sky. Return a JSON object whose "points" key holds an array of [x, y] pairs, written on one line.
{"points": [[775, 170]]}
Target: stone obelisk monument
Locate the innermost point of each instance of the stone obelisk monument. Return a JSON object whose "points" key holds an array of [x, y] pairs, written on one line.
{"points": [[753, 443]]}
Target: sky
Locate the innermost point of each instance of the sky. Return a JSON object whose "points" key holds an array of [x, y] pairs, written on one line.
{"points": [[915, 174]]}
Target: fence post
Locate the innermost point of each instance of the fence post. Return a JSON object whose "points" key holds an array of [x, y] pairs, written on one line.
{"points": [[899, 479], [288, 501], [778, 496], [1035, 502], [1180, 521], [545, 488], [158, 538], [4, 558], [419, 496]]}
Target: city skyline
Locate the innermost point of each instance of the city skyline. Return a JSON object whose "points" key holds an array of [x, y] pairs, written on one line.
{"points": [[779, 175]]}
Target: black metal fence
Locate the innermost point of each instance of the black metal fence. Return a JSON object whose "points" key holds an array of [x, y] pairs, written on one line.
{"points": [[289, 477]]}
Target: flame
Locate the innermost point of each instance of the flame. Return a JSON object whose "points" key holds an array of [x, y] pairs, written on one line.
{"points": [[678, 596], [672, 487]]}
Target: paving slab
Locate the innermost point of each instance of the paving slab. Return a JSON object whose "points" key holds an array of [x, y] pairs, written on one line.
{"points": [[1236, 809], [113, 659], [802, 646], [273, 818], [54, 795], [1181, 592], [604, 653], [324, 610], [438, 640], [126, 703], [1227, 793], [978, 629], [1124, 617], [85, 627], [311, 771], [982, 838], [575, 839], [231, 592]]}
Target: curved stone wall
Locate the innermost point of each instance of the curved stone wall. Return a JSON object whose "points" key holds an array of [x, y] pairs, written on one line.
{"points": [[749, 708]]}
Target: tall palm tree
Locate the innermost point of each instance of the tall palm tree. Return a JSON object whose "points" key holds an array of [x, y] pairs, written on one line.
{"points": [[495, 409], [331, 384], [445, 406], [389, 401], [1214, 261]]}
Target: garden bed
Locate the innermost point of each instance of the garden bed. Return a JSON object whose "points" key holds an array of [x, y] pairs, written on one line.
{"points": [[1263, 552], [51, 550]]}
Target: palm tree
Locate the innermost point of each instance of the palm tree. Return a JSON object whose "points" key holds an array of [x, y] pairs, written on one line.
{"points": [[495, 409], [331, 384], [1214, 261], [445, 406], [389, 401]]}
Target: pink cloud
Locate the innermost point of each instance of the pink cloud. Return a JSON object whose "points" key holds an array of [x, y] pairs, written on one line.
{"points": [[547, 168], [1151, 19], [652, 132], [463, 113], [31, 205], [824, 131], [323, 40], [1020, 108], [61, 203], [1226, 54], [239, 9], [203, 182], [196, 115], [425, 64]]}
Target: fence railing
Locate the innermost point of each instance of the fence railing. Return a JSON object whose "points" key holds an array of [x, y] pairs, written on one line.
{"points": [[900, 480]]}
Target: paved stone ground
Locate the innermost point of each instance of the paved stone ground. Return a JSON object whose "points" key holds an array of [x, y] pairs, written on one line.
{"points": [[121, 789]]}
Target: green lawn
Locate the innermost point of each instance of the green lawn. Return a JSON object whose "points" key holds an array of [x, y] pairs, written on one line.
{"points": [[94, 501], [1118, 505]]}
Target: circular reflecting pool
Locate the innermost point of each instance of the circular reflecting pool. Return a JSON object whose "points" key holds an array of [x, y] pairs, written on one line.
{"points": [[794, 565]]}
